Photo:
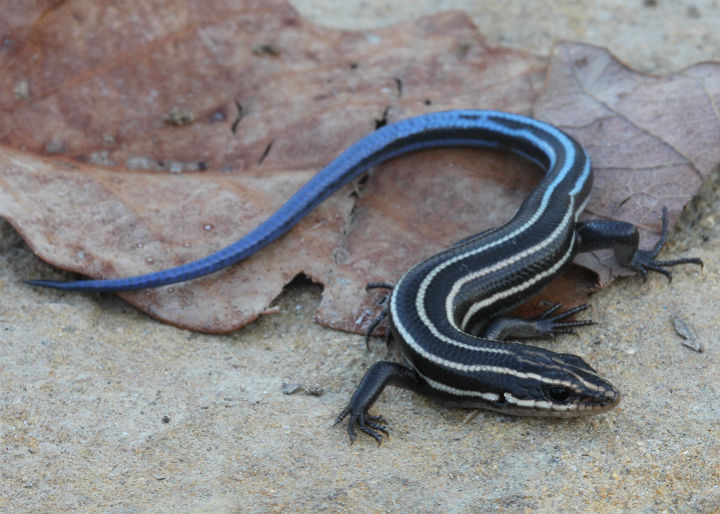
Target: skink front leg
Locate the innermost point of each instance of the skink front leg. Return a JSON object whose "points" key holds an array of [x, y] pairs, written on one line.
{"points": [[380, 375], [545, 326], [623, 238]]}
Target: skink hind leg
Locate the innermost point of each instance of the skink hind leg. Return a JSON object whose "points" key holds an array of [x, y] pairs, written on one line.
{"points": [[380, 375], [644, 260], [378, 285], [623, 239], [368, 333], [383, 314]]}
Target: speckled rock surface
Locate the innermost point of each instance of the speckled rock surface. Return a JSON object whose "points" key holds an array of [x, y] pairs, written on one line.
{"points": [[103, 409]]}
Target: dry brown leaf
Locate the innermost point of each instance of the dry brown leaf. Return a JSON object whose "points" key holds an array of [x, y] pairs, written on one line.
{"points": [[652, 140], [262, 100]]}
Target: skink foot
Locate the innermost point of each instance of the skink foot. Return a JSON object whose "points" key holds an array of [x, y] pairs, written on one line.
{"points": [[644, 260]]}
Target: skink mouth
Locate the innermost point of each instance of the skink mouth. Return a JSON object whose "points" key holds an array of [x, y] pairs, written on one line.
{"points": [[613, 399], [596, 404], [603, 404]]}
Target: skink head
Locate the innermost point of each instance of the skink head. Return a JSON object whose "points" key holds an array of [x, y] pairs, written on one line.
{"points": [[555, 384]]}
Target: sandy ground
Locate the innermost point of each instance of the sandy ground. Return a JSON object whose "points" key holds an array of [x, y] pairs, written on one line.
{"points": [[103, 409]]}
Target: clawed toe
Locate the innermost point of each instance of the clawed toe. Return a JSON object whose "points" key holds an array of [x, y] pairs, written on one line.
{"points": [[552, 325], [644, 260], [374, 426]]}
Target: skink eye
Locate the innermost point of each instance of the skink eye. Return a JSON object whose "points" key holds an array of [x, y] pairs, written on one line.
{"points": [[558, 394]]}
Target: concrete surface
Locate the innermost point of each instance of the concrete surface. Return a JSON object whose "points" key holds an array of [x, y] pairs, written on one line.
{"points": [[105, 410]]}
